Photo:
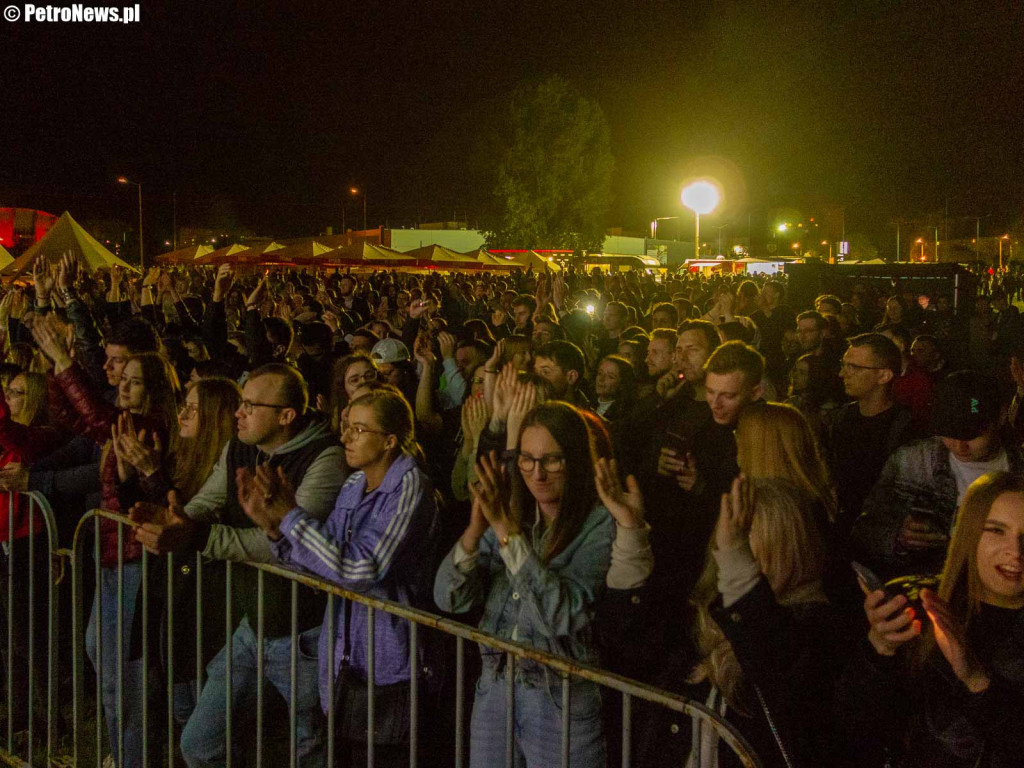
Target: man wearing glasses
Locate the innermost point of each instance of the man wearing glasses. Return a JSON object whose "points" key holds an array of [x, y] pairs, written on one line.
{"points": [[865, 432], [274, 428]]}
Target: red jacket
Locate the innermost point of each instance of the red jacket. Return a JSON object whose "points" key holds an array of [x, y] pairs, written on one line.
{"points": [[75, 403], [24, 445]]}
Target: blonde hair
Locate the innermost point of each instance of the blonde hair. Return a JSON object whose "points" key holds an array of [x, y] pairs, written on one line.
{"points": [[788, 547], [34, 411], [774, 440]]}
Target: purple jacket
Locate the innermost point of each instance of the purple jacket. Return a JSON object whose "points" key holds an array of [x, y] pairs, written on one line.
{"points": [[372, 543]]}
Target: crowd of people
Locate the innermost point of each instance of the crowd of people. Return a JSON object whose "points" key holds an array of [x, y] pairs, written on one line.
{"points": [[808, 518]]}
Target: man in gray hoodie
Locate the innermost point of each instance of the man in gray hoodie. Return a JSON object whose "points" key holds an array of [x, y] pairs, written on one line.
{"points": [[273, 428]]}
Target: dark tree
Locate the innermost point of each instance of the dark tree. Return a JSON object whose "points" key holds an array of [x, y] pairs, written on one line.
{"points": [[554, 171]]}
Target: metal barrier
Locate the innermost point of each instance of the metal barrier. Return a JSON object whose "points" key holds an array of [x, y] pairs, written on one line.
{"points": [[22, 591], [566, 669]]}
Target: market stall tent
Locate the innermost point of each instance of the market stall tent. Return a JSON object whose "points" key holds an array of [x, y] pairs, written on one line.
{"points": [[183, 255], [228, 254], [5, 257], [66, 236]]}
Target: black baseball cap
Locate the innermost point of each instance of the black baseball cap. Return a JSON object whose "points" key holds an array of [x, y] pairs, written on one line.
{"points": [[965, 404]]}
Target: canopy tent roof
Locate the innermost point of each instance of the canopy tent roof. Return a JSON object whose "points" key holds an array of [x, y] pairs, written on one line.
{"points": [[309, 251], [430, 255], [255, 252], [66, 236], [183, 255], [536, 260], [5, 257], [228, 254], [488, 259]]}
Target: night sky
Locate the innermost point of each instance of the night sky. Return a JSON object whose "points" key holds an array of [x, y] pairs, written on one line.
{"points": [[267, 114]]}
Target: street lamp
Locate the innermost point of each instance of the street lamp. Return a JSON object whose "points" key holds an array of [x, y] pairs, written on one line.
{"points": [[1004, 237], [124, 180], [355, 191], [700, 197], [920, 241], [654, 225]]}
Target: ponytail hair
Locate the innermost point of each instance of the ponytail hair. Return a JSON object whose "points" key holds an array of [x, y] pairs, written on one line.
{"points": [[395, 417]]}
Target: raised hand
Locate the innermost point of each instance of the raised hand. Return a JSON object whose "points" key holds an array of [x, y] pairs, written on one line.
{"points": [[504, 389], [492, 492], [331, 320], [67, 272], [164, 529], [736, 513], [50, 338], [225, 279], [474, 418], [626, 505], [132, 447], [523, 400], [447, 343], [253, 299], [42, 276], [422, 352], [418, 308], [950, 636]]}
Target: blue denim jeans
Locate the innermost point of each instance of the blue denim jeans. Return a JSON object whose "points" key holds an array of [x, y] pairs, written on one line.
{"points": [[537, 723], [203, 739], [131, 687]]}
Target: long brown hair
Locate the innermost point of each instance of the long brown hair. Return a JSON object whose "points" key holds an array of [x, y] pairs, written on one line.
{"points": [[218, 400], [789, 548], [960, 584], [774, 440], [569, 430]]}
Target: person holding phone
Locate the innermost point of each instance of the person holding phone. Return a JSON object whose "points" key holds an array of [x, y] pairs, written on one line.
{"points": [[909, 514], [948, 691]]}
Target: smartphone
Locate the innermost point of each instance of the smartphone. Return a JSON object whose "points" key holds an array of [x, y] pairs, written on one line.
{"points": [[676, 442], [868, 578]]}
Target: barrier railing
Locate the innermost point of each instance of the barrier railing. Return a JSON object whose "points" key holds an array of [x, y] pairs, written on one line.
{"points": [[565, 669], [25, 661]]}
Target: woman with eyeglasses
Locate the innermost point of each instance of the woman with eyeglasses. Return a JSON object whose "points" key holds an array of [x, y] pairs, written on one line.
{"points": [[147, 402], [24, 438], [374, 542], [941, 682], [206, 422], [534, 556]]}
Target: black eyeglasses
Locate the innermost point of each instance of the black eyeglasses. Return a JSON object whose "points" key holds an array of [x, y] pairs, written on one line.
{"points": [[550, 462], [249, 405]]}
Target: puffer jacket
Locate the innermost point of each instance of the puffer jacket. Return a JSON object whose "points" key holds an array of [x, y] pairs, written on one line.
{"points": [[76, 403]]}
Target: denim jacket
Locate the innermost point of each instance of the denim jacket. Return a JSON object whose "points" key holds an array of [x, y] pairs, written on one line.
{"points": [[550, 607]]}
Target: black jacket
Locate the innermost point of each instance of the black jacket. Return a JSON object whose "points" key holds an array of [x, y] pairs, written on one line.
{"points": [[923, 717]]}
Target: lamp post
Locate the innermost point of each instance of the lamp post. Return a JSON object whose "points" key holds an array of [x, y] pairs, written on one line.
{"points": [[654, 225], [700, 197], [920, 241], [142, 257], [1001, 239], [355, 191]]}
